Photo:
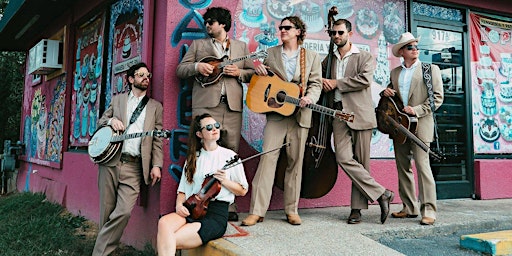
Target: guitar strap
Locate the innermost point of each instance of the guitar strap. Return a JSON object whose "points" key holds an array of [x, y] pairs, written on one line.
{"points": [[302, 71], [427, 78], [138, 110]]}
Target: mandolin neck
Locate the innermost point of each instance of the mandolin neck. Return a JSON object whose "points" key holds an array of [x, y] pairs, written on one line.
{"points": [[229, 62]]}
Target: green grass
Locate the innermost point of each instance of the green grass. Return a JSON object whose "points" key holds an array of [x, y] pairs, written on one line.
{"points": [[30, 225]]}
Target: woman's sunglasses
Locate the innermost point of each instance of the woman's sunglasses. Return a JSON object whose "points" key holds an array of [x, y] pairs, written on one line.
{"points": [[209, 127]]}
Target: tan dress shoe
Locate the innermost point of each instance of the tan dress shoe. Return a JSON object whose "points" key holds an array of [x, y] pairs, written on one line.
{"points": [[401, 215], [293, 219], [427, 221], [251, 220]]}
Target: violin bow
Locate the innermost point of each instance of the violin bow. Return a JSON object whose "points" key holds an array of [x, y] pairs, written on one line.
{"points": [[234, 160]]}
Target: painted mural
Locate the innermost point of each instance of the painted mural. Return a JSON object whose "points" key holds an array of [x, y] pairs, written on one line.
{"points": [[87, 78], [124, 44], [491, 74], [376, 25], [43, 123]]}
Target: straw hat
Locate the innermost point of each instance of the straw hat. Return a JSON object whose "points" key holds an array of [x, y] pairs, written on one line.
{"points": [[405, 39]]}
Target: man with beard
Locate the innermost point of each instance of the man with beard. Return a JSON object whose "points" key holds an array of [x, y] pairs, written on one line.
{"points": [[119, 179], [223, 99], [350, 90]]}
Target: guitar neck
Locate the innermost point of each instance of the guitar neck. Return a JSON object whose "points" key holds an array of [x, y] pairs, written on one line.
{"points": [[314, 107], [413, 137], [130, 136]]}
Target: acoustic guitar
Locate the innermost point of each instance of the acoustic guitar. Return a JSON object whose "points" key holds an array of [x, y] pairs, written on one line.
{"points": [[219, 64], [272, 94], [105, 142], [399, 125]]}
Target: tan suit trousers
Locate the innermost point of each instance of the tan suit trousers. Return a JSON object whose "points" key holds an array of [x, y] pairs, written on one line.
{"points": [[277, 132], [119, 188], [353, 155], [426, 182]]}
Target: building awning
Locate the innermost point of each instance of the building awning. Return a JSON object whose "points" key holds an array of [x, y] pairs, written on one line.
{"points": [[25, 21]]}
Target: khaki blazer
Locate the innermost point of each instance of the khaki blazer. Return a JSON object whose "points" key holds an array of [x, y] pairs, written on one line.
{"points": [[313, 81], [209, 97], [151, 147], [355, 88], [418, 98]]}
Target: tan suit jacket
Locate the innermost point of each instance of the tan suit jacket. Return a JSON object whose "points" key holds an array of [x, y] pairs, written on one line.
{"points": [[355, 89], [313, 83], [151, 147], [418, 98], [209, 97]]}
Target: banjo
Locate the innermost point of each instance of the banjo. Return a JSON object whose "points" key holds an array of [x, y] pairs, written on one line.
{"points": [[106, 142]]}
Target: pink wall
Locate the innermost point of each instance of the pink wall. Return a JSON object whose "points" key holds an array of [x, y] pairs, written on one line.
{"points": [[493, 179]]}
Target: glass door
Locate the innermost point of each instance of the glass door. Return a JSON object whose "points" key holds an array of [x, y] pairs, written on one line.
{"points": [[443, 46]]}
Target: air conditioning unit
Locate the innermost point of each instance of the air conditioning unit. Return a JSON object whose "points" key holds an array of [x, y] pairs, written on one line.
{"points": [[45, 57]]}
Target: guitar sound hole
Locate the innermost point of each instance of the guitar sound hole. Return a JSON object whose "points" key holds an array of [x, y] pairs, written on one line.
{"points": [[280, 97]]}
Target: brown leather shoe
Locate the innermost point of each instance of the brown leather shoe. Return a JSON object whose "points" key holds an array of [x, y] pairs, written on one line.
{"points": [[427, 221], [384, 200], [293, 219], [355, 217], [401, 215], [251, 220]]}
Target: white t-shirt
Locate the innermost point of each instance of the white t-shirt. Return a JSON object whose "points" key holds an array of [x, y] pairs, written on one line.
{"points": [[208, 162]]}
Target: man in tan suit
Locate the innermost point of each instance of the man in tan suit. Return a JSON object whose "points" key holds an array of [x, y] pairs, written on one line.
{"points": [[223, 99], [284, 61], [140, 158], [350, 90], [407, 81]]}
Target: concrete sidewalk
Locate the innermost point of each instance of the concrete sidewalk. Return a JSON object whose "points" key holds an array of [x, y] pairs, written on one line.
{"points": [[324, 231]]}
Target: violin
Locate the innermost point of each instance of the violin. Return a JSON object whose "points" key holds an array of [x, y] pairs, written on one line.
{"points": [[197, 204]]}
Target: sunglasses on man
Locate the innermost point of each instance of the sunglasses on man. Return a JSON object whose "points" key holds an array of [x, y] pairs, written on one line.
{"points": [[334, 32], [142, 74], [285, 28], [410, 47], [209, 127], [209, 21]]}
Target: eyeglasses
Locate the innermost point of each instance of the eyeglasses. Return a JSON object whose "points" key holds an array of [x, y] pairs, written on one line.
{"points": [[285, 28], [142, 74], [333, 32], [209, 21], [209, 127], [411, 47]]}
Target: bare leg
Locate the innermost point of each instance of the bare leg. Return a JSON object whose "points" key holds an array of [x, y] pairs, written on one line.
{"points": [[174, 233]]}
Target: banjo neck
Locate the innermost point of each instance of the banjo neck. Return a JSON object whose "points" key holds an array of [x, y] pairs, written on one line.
{"points": [[122, 137]]}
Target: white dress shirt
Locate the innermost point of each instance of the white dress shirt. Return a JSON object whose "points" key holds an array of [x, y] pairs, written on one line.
{"points": [[132, 146], [404, 80]]}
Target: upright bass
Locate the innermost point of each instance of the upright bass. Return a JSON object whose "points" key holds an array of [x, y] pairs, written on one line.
{"points": [[319, 169]]}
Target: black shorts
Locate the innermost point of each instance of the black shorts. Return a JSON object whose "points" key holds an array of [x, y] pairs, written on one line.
{"points": [[214, 223]]}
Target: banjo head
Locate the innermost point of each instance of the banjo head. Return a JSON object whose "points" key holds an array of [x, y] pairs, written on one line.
{"points": [[100, 141]]}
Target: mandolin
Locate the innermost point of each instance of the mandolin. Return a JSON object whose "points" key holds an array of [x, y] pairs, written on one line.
{"points": [[219, 64]]}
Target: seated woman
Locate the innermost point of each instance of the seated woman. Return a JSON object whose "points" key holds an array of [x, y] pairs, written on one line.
{"points": [[178, 230]]}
